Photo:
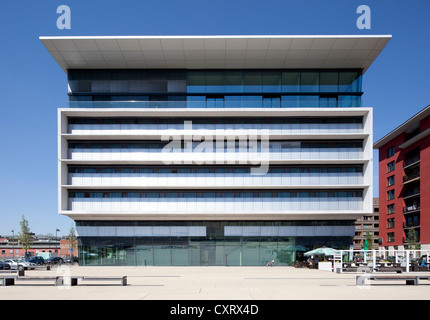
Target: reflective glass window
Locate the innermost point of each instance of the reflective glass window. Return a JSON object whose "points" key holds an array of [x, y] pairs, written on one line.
{"points": [[215, 102], [253, 81], [309, 81], [329, 82], [233, 101], [290, 102], [290, 81], [214, 82], [271, 102], [328, 101], [309, 101], [271, 81], [120, 81], [349, 101], [252, 101], [233, 81], [196, 81], [349, 81], [176, 81]]}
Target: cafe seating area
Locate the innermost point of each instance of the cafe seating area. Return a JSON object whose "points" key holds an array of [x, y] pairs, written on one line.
{"points": [[368, 261]]}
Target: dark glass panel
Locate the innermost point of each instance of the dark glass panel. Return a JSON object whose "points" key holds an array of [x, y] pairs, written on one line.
{"points": [[349, 81], [329, 82], [253, 81], [309, 81], [290, 81], [271, 81]]}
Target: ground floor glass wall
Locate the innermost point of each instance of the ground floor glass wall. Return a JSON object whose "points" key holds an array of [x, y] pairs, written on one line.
{"points": [[201, 251]]}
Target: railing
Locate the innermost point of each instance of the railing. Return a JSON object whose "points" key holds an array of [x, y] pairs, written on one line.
{"points": [[411, 161], [407, 260], [215, 157], [213, 205], [411, 194], [215, 104], [405, 240], [410, 177], [411, 208], [411, 224], [213, 179], [281, 128]]}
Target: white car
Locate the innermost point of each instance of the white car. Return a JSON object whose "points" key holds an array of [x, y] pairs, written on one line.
{"points": [[20, 264]]}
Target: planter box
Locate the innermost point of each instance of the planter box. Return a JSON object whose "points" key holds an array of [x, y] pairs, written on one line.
{"points": [[325, 266]]}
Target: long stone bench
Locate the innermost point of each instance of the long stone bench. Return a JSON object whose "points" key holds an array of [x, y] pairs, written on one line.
{"points": [[409, 279], [74, 279], [57, 280], [10, 280], [7, 280], [388, 269]]}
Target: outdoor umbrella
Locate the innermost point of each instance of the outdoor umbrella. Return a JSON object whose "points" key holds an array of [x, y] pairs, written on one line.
{"points": [[322, 251]]}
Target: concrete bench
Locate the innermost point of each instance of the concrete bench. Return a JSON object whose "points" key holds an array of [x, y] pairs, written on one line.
{"points": [[10, 280], [43, 266], [409, 279], [7, 280], [389, 269], [18, 272], [364, 269], [57, 280], [74, 279]]}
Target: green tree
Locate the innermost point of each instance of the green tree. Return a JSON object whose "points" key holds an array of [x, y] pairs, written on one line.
{"points": [[71, 240], [412, 240], [25, 235], [369, 239]]}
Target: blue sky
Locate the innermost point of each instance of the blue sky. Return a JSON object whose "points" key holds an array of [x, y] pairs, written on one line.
{"points": [[33, 86]]}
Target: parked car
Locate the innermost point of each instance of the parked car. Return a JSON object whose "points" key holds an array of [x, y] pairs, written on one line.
{"points": [[20, 264], [37, 260], [54, 260], [70, 259], [4, 265]]}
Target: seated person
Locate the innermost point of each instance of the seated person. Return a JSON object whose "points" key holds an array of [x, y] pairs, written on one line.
{"points": [[423, 263]]}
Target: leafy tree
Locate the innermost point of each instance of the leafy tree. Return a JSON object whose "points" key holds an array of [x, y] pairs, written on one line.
{"points": [[71, 240], [369, 239], [25, 235], [412, 240]]}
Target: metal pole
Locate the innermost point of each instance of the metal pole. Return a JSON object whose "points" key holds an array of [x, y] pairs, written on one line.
{"points": [[407, 260], [56, 238], [13, 244]]}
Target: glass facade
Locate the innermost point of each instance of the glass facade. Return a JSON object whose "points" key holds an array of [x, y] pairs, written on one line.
{"points": [[215, 88], [214, 125], [125, 169], [231, 194], [226, 170], [212, 121], [157, 146], [247, 248]]}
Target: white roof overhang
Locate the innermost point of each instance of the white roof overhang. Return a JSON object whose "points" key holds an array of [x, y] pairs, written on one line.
{"points": [[216, 52]]}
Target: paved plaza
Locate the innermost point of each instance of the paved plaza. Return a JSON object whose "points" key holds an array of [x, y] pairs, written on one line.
{"points": [[212, 283]]}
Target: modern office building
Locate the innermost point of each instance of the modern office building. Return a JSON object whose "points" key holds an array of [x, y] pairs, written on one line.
{"points": [[214, 150], [404, 157]]}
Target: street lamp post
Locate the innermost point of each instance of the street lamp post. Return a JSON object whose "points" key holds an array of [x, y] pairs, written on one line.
{"points": [[56, 238], [13, 244]]}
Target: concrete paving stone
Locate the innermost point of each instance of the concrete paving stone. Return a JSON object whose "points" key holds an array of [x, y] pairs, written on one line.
{"points": [[213, 283]]}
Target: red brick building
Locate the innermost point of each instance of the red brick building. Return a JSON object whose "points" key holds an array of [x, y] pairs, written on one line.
{"points": [[404, 183], [10, 248], [65, 249]]}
